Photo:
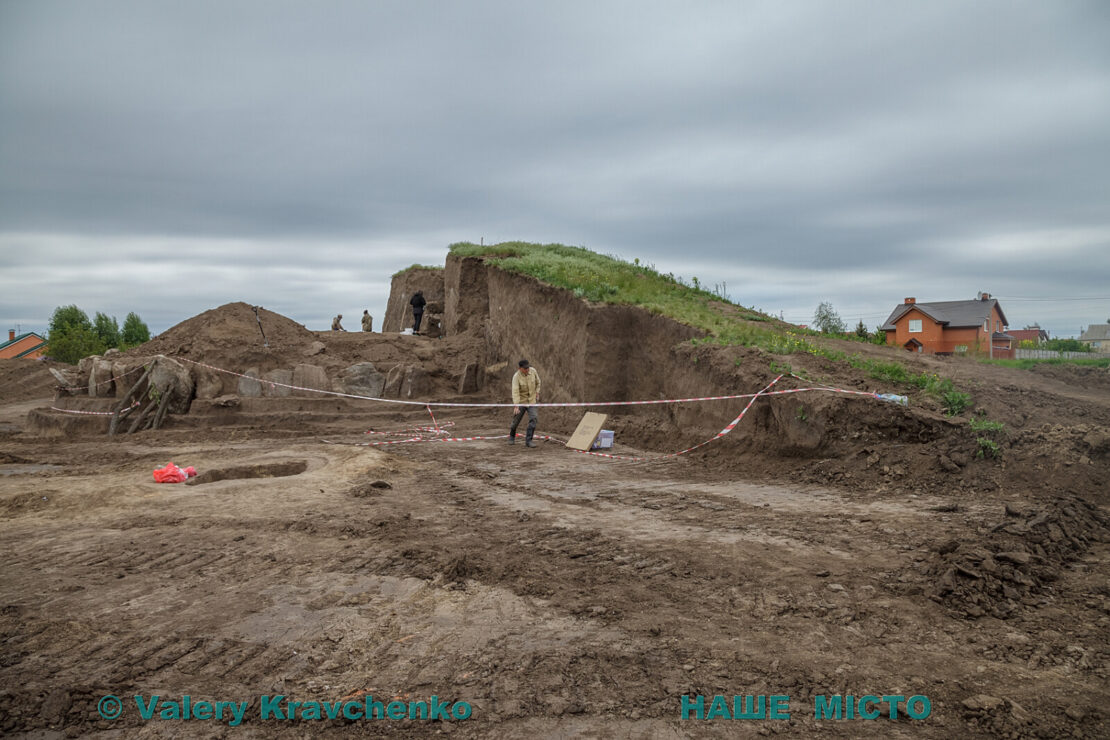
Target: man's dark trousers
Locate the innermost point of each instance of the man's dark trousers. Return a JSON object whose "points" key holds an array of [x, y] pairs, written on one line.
{"points": [[532, 416], [416, 316]]}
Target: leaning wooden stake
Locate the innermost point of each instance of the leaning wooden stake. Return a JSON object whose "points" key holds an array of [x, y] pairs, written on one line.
{"points": [[139, 418], [126, 400], [158, 417]]}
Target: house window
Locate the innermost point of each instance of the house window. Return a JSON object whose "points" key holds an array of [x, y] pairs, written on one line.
{"points": [[915, 326], [997, 325]]}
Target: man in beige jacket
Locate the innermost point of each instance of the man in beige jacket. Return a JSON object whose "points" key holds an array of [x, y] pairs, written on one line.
{"points": [[526, 392]]}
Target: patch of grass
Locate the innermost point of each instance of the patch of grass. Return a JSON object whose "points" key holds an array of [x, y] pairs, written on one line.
{"points": [[417, 267], [1028, 364], [986, 425]]}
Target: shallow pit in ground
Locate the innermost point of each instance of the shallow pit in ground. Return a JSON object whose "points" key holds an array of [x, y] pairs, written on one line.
{"points": [[259, 470]]}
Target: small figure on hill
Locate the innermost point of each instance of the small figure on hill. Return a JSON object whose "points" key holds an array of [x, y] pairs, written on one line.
{"points": [[526, 393], [417, 304], [367, 321], [335, 325]]}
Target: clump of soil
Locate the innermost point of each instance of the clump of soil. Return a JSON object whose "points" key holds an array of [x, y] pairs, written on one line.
{"points": [[1018, 560], [261, 470]]}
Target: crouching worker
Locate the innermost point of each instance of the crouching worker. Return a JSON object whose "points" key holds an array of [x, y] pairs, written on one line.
{"points": [[526, 393]]}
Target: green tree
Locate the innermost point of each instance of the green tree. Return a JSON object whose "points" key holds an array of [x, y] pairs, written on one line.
{"points": [[135, 331], [861, 330], [107, 329], [69, 317], [71, 335], [827, 320], [1065, 345]]}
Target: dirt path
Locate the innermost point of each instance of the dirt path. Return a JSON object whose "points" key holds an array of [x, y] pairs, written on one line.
{"points": [[558, 595]]}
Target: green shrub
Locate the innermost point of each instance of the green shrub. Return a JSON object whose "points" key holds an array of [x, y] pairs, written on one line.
{"points": [[988, 448], [955, 402]]}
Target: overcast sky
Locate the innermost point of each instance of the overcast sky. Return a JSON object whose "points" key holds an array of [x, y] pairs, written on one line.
{"points": [[169, 157]]}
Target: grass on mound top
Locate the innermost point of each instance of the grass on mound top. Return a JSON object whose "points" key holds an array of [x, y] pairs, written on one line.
{"points": [[417, 267], [607, 279]]}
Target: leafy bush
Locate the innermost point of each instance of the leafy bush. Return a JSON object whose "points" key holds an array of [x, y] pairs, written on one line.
{"points": [[988, 448], [955, 402]]}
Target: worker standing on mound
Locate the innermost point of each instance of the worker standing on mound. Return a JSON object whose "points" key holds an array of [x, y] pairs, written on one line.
{"points": [[335, 325], [417, 304], [367, 321], [526, 393]]}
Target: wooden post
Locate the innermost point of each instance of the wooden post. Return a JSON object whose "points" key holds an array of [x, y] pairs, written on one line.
{"points": [[126, 400]]}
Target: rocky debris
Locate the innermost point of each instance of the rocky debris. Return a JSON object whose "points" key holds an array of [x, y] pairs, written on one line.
{"points": [[310, 376], [101, 383], [249, 387], [1098, 442], [394, 379], [67, 378], [997, 716], [314, 349], [416, 383], [362, 379], [947, 464], [169, 378], [271, 378], [208, 382], [469, 379], [432, 327], [1017, 561]]}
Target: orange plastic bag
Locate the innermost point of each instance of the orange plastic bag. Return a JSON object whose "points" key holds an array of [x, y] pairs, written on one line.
{"points": [[173, 474]]}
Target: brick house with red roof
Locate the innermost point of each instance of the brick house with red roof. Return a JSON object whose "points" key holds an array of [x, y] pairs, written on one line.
{"points": [[950, 327]]}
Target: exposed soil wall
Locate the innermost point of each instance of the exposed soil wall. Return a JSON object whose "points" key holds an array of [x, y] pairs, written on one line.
{"points": [[584, 351], [398, 312], [467, 294]]}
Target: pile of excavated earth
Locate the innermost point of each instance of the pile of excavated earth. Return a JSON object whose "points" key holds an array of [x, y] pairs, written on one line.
{"points": [[888, 524]]}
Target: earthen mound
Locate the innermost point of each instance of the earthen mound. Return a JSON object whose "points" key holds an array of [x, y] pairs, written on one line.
{"points": [[22, 379], [230, 325]]}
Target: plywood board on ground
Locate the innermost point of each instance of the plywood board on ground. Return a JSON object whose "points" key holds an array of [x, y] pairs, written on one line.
{"points": [[587, 431]]}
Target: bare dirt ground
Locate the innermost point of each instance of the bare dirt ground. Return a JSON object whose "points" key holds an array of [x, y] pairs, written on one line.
{"points": [[559, 595]]}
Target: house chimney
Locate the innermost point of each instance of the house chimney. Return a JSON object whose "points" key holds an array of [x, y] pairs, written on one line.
{"points": [[11, 335], [911, 300], [984, 296]]}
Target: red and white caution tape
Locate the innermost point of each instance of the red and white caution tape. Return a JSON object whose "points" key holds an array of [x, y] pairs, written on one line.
{"points": [[728, 428], [439, 430], [94, 413], [430, 404], [645, 458]]}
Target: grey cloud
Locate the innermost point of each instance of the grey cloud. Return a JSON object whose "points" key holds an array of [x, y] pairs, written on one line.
{"points": [[790, 140]]}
